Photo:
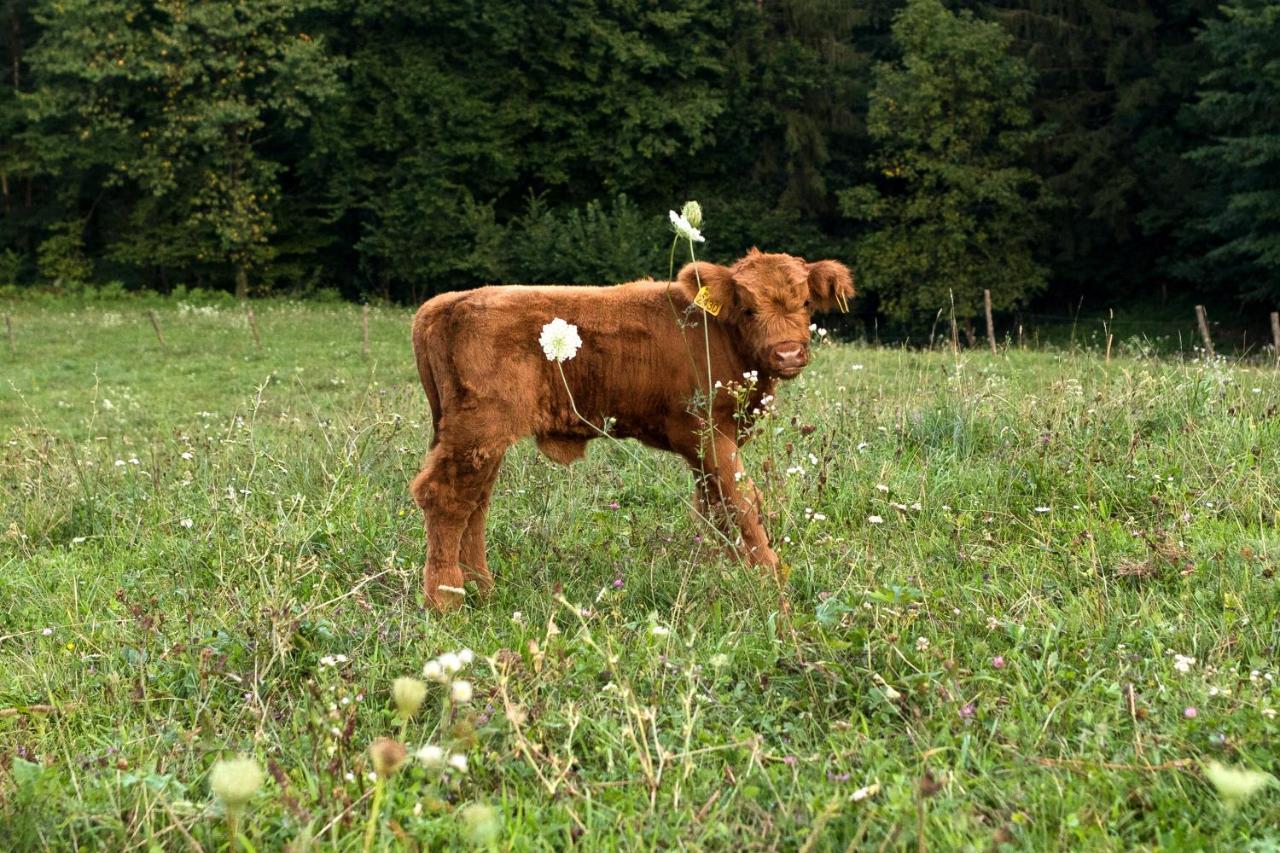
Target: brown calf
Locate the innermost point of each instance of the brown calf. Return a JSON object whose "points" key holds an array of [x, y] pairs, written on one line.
{"points": [[642, 373]]}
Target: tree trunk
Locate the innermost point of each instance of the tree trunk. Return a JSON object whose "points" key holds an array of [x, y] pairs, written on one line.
{"points": [[242, 282]]}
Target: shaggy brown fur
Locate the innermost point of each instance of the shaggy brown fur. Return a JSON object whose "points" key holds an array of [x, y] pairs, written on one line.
{"points": [[643, 364]]}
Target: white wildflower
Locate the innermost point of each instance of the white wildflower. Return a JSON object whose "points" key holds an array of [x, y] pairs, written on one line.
{"points": [[458, 762], [692, 212], [1182, 663], [430, 756], [560, 340], [460, 692], [685, 228]]}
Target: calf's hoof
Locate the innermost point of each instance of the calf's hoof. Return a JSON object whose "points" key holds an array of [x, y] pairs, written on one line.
{"points": [[765, 557], [442, 588], [481, 577]]}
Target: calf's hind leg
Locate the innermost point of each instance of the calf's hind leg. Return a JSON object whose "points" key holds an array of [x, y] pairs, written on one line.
{"points": [[451, 487], [475, 565]]}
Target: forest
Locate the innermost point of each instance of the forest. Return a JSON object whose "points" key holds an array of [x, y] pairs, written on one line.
{"points": [[1049, 151]]}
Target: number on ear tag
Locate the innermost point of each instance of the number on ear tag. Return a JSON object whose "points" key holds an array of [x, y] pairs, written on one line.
{"points": [[704, 301]]}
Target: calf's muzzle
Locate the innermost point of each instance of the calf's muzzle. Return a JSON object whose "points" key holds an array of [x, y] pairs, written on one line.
{"points": [[789, 357]]}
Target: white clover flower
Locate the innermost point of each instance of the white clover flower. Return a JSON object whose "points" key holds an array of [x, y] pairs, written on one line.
{"points": [[922, 644], [659, 630], [186, 454], [881, 487], [458, 762], [685, 228], [1182, 663], [559, 340], [187, 523], [430, 756], [460, 692], [875, 519]]}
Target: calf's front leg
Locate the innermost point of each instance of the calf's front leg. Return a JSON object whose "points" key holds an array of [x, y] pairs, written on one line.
{"points": [[732, 502]]}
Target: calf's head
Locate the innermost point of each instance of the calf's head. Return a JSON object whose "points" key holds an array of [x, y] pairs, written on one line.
{"points": [[768, 300]]}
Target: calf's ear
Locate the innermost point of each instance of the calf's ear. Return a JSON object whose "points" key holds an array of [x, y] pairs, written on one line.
{"points": [[718, 280], [830, 285]]}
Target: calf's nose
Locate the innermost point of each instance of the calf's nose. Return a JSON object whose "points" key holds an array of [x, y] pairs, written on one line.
{"points": [[790, 355]]}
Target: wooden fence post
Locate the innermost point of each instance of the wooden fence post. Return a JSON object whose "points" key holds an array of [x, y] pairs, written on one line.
{"points": [[1203, 321], [253, 325], [991, 326], [955, 332], [155, 324], [1275, 334], [364, 324]]}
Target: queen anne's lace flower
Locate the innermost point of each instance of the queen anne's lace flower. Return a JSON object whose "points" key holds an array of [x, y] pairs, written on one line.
{"points": [[684, 228], [560, 340]]}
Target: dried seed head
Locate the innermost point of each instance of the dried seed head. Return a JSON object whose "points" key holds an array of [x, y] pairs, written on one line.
{"points": [[235, 781]]}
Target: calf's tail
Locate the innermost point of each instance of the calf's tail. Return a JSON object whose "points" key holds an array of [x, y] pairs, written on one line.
{"points": [[422, 327]]}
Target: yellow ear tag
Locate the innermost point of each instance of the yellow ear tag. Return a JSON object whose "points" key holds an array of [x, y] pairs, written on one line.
{"points": [[704, 301]]}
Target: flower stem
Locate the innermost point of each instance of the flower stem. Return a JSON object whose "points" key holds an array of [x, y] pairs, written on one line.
{"points": [[375, 808]]}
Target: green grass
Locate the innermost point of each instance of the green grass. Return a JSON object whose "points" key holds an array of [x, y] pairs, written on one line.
{"points": [[185, 533]]}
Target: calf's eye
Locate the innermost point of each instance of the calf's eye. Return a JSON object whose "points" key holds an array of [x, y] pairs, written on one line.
{"points": [[748, 313], [808, 303]]}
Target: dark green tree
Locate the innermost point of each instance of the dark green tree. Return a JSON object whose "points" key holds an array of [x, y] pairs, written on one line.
{"points": [[183, 101], [954, 209], [457, 111], [1238, 110], [1111, 76]]}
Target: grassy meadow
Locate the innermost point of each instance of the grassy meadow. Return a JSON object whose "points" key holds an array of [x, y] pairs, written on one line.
{"points": [[1031, 597]]}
